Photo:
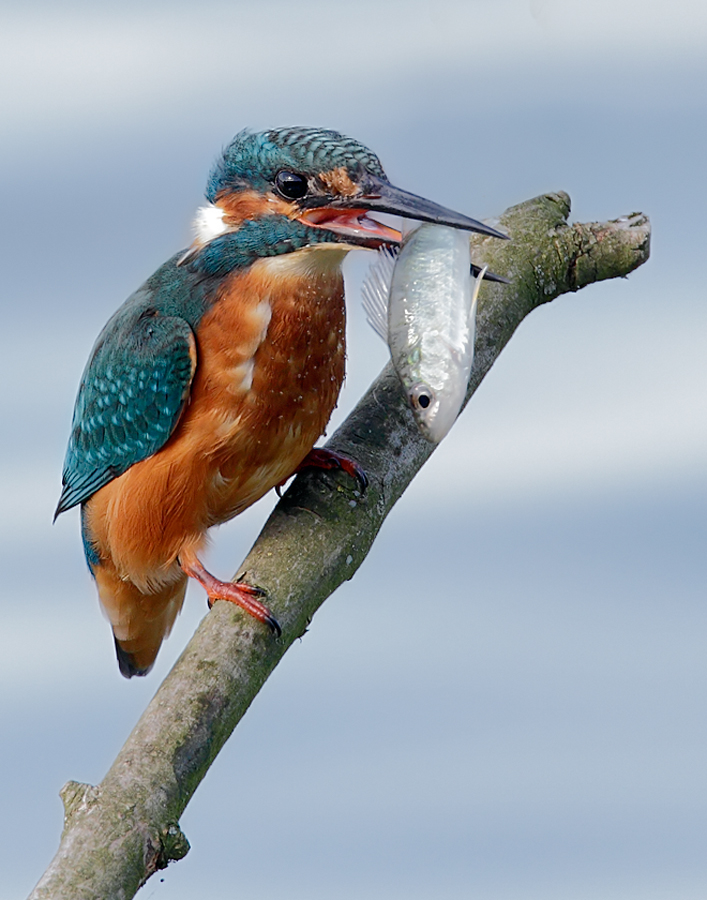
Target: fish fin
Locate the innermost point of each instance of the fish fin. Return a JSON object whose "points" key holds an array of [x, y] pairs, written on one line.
{"points": [[375, 291]]}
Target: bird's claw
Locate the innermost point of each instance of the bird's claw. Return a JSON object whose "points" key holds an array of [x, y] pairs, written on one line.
{"points": [[247, 596], [273, 625], [321, 458], [249, 603], [252, 589], [352, 468]]}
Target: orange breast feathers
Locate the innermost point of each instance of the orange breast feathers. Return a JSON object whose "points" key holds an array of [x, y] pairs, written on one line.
{"points": [[270, 364]]}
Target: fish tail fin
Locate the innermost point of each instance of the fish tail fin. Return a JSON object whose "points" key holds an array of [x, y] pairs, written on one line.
{"points": [[375, 291]]}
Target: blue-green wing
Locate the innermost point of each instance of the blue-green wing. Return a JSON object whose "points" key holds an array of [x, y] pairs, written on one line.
{"points": [[131, 397]]}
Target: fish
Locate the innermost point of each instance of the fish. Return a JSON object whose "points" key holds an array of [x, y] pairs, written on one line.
{"points": [[421, 300]]}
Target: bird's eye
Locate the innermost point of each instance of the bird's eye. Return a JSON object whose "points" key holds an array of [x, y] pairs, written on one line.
{"points": [[422, 397], [291, 185]]}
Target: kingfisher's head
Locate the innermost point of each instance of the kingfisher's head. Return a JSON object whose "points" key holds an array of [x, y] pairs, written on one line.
{"points": [[308, 187]]}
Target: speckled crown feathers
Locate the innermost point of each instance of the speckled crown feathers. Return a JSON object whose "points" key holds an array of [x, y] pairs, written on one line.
{"points": [[253, 159]]}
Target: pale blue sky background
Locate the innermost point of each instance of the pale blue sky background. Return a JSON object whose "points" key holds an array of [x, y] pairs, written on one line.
{"points": [[508, 701]]}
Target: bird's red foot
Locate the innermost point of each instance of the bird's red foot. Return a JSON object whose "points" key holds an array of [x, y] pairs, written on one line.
{"points": [[244, 595], [320, 458]]}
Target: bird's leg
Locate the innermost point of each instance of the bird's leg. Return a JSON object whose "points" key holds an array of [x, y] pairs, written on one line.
{"points": [[320, 458], [244, 595]]}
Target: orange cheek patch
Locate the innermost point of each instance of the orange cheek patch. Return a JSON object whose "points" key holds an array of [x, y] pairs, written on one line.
{"points": [[337, 181], [245, 205]]}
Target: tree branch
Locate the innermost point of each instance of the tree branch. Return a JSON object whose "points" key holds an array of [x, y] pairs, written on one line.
{"points": [[118, 834]]}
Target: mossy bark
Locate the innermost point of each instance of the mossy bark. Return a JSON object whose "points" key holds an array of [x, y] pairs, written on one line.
{"points": [[118, 834]]}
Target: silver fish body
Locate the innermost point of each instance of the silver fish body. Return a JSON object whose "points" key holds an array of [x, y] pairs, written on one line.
{"points": [[427, 316]]}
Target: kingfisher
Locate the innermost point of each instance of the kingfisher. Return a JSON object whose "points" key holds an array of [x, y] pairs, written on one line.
{"points": [[214, 380]]}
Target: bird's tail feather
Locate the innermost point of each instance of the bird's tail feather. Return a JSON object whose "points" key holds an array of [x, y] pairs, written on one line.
{"points": [[140, 621]]}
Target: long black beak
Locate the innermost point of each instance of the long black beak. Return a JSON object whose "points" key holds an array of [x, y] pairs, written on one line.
{"points": [[378, 195]]}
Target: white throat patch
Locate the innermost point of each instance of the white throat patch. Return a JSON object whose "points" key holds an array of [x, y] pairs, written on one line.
{"points": [[208, 223]]}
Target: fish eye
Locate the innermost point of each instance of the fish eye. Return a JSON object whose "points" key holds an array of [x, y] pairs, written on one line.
{"points": [[422, 397], [291, 185]]}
